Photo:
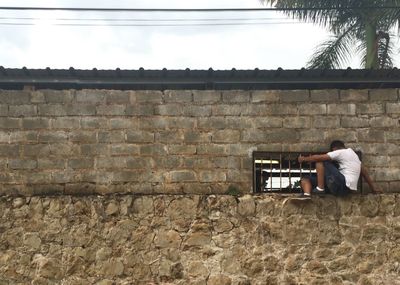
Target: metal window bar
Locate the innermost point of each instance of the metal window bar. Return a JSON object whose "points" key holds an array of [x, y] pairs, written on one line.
{"points": [[270, 164], [267, 178], [301, 170], [261, 176], [280, 172], [290, 174]]}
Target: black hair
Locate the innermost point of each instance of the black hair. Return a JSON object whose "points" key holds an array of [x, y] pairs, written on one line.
{"points": [[337, 144]]}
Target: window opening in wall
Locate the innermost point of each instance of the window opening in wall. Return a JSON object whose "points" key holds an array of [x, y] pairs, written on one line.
{"points": [[281, 172]]}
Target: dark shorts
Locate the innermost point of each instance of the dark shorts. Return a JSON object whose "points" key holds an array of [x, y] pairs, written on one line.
{"points": [[335, 182]]}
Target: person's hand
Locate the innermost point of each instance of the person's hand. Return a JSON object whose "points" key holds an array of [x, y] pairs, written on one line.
{"points": [[301, 158], [377, 190]]}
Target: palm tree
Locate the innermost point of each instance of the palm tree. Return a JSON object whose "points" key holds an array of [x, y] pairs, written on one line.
{"points": [[357, 26]]}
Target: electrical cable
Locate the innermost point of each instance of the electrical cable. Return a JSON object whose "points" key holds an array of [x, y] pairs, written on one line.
{"points": [[82, 9], [152, 25], [155, 24], [140, 20]]}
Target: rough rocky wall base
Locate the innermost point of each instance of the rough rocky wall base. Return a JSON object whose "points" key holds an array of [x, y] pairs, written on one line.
{"points": [[199, 239]]}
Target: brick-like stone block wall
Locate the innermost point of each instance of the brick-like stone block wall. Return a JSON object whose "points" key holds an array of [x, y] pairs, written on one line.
{"points": [[190, 141], [199, 239]]}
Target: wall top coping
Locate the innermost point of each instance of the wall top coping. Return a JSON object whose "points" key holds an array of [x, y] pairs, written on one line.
{"points": [[141, 79]]}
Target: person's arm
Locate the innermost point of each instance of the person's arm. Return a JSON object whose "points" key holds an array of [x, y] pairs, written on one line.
{"points": [[365, 175], [314, 158]]}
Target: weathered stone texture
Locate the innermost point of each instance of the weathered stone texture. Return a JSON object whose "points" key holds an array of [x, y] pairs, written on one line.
{"points": [[150, 96], [236, 96], [264, 96], [342, 109], [22, 111], [393, 108], [207, 96], [186, 141], [383, 94], [199, 239], [330, 95], [295, 96], [354, 95]]}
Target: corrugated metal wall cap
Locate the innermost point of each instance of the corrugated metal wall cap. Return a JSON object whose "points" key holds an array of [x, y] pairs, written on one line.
{"points": [[199, 79], [237, 72]]}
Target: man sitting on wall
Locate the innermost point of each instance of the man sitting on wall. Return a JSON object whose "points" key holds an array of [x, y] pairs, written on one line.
{"points": [[338, 181]]}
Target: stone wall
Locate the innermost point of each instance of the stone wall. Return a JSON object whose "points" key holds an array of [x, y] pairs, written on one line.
{"points": [[101, 141], [196, 239]]}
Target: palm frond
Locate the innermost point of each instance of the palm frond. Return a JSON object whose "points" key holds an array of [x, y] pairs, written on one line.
{"points": [[346, 12], [390, 18], [317, 16], [385, 51], [348, 23], [331, 54], [361, 49]]}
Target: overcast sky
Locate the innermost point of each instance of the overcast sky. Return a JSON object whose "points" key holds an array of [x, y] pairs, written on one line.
{"points": [[267, 46]]}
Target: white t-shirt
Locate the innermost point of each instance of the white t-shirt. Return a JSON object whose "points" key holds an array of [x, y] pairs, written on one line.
{"points": [[349, 165]]}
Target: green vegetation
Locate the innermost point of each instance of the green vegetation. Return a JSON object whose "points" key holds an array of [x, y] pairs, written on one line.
{"points": [[358, 26]]}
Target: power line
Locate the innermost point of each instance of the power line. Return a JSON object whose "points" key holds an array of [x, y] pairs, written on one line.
{"points": [[153, 25], [170, 24], [132, 22], [82, 9], [141, 20]]}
